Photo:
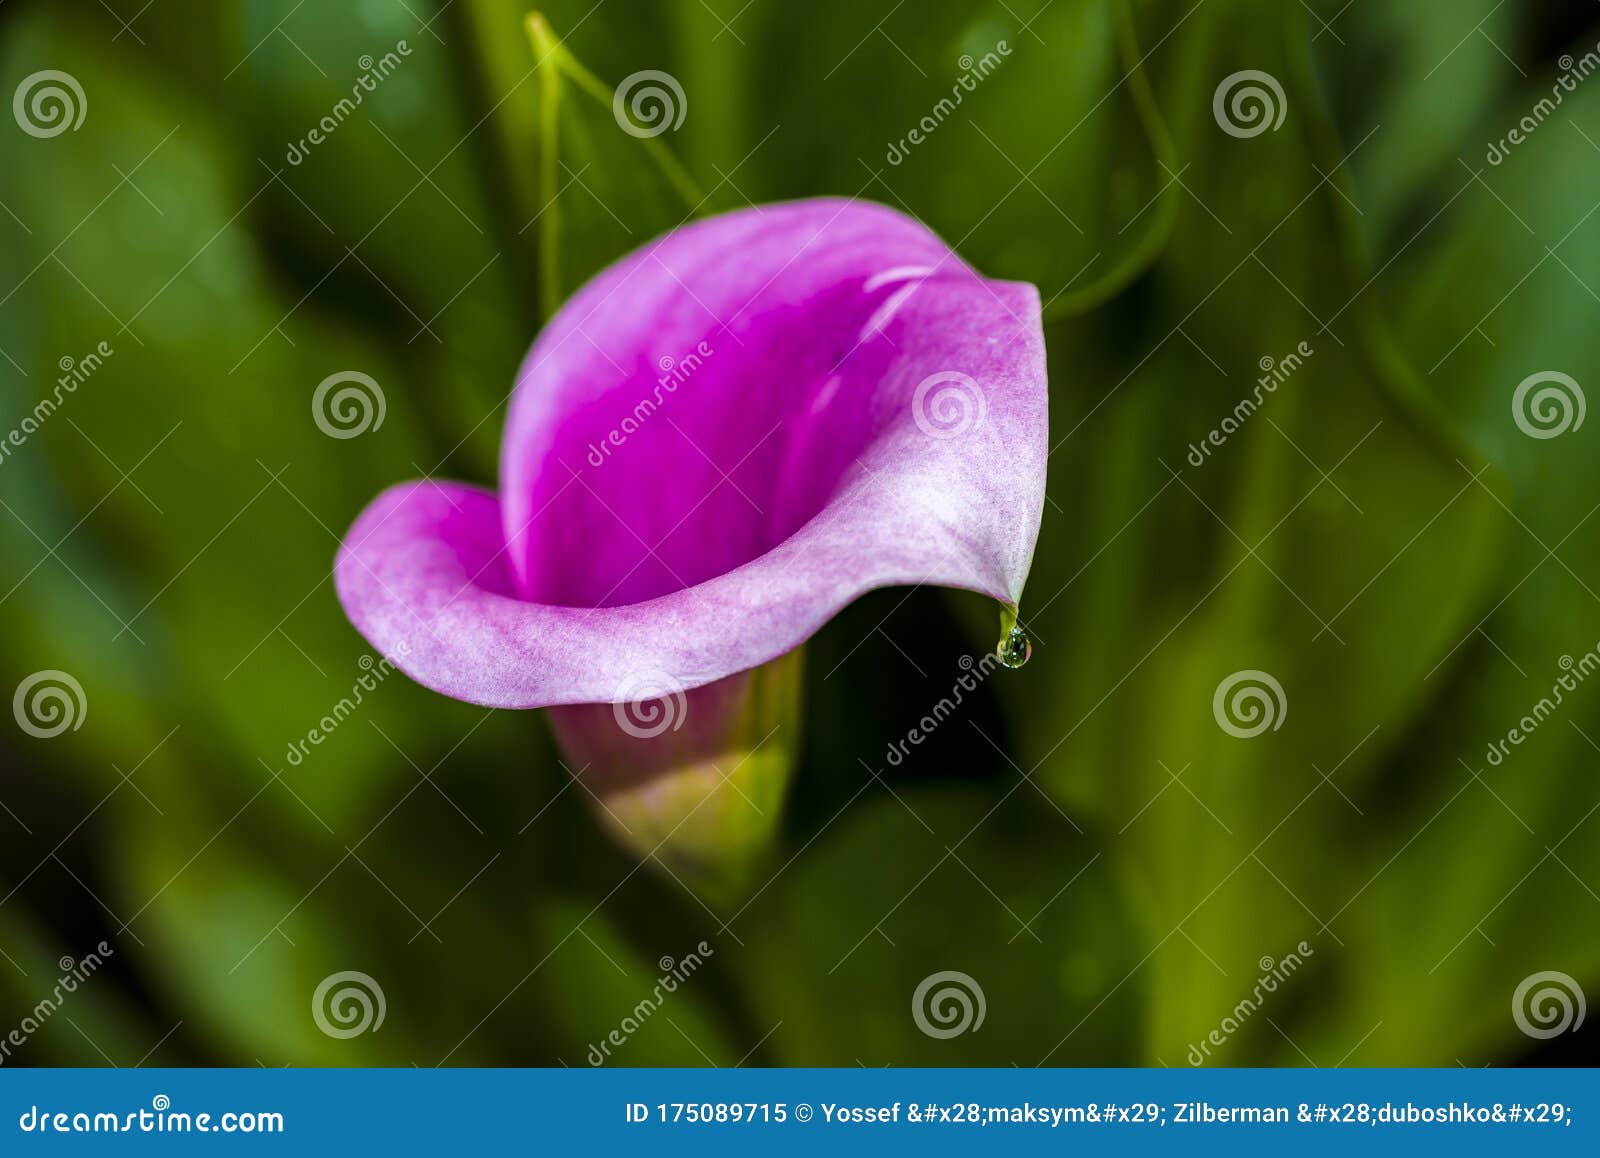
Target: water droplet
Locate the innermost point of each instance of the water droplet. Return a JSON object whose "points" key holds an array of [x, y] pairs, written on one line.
{"points": [[1015, 649]]}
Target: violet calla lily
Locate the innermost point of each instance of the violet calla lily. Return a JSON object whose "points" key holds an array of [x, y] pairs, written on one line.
{"points": [[712, 448]]}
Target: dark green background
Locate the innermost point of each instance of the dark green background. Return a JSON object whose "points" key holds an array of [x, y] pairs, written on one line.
{"points": [[1414, 600]]}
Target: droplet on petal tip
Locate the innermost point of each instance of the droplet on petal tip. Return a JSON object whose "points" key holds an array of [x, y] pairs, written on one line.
{"points": [[1014, 648]]}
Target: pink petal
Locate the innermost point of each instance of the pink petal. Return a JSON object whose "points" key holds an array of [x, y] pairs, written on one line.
{"points": [[847, 407]]}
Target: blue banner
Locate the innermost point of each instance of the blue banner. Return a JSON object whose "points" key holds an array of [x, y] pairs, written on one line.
{"points": [[704, 1112]]}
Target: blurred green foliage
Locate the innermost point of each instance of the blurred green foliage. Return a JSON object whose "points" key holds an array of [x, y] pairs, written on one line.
{"points": [[1084, 841]]}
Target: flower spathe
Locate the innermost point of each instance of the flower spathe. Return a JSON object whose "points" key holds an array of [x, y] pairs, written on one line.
{"points": [[713, 447]]}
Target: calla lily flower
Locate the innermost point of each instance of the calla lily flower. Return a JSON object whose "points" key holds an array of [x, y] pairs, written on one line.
{"points": [[712, 448]]}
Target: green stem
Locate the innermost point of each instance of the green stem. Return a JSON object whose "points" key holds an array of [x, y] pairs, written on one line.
{"points": [[547, 53]]}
